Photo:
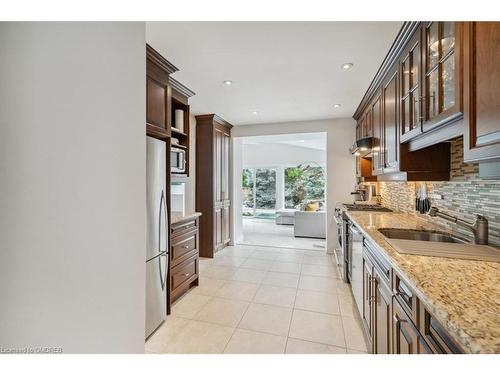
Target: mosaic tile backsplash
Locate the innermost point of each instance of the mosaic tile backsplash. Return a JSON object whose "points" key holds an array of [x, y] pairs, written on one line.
{"points": [[464, 196]]}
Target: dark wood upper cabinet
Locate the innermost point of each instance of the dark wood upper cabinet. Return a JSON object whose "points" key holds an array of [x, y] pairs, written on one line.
{"points": [[158, 94], [378, 136], [180, 95], [410, 88], [442, 78], [390, 121], [481, 91]]}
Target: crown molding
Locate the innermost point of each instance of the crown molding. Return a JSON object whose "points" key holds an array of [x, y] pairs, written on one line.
{"points": [[179, 87], [404, 35], [155, 57], [212, 117]]}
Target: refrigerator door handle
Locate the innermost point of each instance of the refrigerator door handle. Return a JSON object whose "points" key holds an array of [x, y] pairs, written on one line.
{"points": [[162, 281], [167, 226], [163, 278], [159, 222], [165, 251]]}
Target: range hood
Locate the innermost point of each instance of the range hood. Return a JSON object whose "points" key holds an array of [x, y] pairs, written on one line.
{"points": [[362, 146]]}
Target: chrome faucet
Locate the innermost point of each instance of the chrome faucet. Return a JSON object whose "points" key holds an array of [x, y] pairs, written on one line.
{"points": [[479, 228]]}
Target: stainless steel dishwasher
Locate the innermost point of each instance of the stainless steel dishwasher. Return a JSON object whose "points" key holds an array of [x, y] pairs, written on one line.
{"points": [[356, 265]]}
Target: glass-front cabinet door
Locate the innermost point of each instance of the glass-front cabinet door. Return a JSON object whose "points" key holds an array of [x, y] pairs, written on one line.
{"points": [[442, 101], [410, 101]]}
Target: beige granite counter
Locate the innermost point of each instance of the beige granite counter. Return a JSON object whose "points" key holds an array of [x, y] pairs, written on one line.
{"points": [[176, 217], [463, 295]]}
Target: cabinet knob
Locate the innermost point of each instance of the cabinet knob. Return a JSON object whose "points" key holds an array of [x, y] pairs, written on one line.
{"points": [[185, 247], [186, 274]]}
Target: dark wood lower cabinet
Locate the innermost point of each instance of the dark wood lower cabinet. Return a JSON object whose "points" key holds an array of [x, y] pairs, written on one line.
{"points": [[377, 299], [395, 320], [381, 315], [405, 337], [367, 296], [183, 257], [434, 335]]}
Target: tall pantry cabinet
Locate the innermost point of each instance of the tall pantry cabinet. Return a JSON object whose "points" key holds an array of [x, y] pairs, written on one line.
{"points": [[213, 182]]}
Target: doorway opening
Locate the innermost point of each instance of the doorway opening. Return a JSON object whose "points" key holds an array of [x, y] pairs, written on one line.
{"points": [[283, 191]]}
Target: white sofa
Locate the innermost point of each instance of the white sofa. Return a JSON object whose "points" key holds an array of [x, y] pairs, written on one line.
{"points": [[310, 224], [285, 216]]}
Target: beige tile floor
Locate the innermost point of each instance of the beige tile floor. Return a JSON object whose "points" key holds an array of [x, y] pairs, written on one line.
{"points": [[258, 232], [255, 299]]}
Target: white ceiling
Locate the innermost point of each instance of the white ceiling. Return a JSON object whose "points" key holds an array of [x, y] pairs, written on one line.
{"points": [[315, 141], [286, 71]]}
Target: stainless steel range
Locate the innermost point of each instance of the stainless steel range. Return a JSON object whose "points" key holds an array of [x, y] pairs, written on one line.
{"points": [[343, 255]]}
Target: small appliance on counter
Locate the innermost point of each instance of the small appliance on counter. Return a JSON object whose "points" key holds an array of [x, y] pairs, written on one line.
{"points": [[364, 192]]}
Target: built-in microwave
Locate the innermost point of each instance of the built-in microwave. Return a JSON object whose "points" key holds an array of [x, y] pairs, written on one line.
{"points": [[177, 160]]}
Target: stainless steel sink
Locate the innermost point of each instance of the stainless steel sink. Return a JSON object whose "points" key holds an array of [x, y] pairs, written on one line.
{"points": [[420, 235]]}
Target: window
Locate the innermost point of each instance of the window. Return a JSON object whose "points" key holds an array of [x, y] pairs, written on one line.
{"points": [[265, 189], [303, 184], [259, 192], [247, 191]]}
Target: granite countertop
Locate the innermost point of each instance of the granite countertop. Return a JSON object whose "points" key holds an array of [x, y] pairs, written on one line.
{"points": [[463, 295], [176, 217]]}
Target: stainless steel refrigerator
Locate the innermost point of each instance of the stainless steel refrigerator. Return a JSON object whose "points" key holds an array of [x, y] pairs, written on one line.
{"points": [[157, 235]]}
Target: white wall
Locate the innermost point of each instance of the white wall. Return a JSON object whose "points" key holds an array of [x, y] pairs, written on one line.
{"points": [[267, 154], [72, 186], [237, 169], [340, 163]]}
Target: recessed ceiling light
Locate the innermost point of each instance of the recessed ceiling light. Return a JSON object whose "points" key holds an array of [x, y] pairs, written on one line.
{"points": [[228, 82], [346, 66], [255, 113], [336, 106]]}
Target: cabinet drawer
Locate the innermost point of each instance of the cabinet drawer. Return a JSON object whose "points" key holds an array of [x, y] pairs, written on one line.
{"points": [[435, 335], [182, 246], [182, 228], [184, 272], [405, 297], [382, 265]]}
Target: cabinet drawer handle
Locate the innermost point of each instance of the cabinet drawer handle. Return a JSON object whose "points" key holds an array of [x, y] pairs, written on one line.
{"points": [[186, 274], [403, 295], [397, 320], [185, 247]]}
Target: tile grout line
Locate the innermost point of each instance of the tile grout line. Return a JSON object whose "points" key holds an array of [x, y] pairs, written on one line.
{"points": [[236, 327], [293, 309], [259, 286]]}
